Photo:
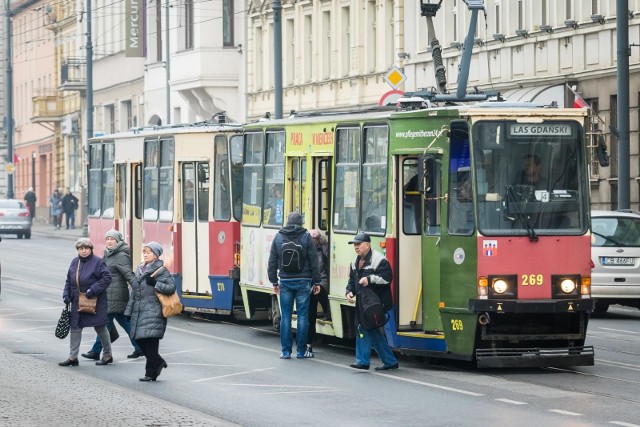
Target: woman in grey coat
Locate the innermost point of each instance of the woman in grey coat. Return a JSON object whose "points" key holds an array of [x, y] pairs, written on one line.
{"points": [[144, 308], [118, 259]]}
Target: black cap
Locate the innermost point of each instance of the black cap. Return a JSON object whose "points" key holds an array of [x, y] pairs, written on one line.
{"points": [[361, 237]]}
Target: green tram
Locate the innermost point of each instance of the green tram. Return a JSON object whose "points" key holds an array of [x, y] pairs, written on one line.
{"points": [[482, 210]]}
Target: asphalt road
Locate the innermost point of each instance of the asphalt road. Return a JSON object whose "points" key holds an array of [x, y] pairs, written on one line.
{"points": [[232, 371]]}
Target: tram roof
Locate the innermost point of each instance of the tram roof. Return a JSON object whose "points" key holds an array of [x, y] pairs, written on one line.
{"points": [[172, 130]]}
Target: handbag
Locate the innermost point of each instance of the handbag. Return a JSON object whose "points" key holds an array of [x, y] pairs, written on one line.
{"points": [[113, 332], [85, 305], [171, 305], [62, 329]]}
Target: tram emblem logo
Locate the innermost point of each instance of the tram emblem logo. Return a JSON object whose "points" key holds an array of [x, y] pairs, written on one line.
{"points": [[490, 247]]}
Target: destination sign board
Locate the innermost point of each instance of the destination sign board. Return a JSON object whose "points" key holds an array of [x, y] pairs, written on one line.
{"points": [[540, 129]]}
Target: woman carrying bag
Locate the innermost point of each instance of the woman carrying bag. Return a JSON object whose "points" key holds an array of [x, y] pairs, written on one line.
{"points": [[88, 275], [144, 308]]}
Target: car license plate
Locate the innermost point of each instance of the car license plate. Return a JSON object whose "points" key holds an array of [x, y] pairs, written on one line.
{"points": [[617, 261]]}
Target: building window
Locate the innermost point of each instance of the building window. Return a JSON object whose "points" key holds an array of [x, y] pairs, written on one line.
{"points": [[346, 41], [159, 30], [126, 117], [308, 48], [109, 118], [567, 11], [227, 22]]}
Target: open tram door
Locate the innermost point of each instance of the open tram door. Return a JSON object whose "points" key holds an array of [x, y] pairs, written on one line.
{"points": [[129, 200], [194, 228]]}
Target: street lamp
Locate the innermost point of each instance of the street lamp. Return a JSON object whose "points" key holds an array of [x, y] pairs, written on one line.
{"points": [[33, 170]]}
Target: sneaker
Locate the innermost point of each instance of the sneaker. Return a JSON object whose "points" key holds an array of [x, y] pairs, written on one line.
{"points": [[307, 354], [285, 356]]}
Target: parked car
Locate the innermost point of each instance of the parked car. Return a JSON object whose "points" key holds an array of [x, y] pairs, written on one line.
{"points": [[14, 218], [615, 252]]}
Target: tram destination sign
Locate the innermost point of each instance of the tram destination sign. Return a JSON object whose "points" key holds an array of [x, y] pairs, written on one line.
{"points": [[540, 129]]}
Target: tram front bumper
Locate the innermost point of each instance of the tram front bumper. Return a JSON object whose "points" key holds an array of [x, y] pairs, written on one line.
{"points": [[530, 306], [535, 357]]}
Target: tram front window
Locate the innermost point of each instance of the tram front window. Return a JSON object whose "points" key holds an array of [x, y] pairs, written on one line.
{"points": [[530, 178]]}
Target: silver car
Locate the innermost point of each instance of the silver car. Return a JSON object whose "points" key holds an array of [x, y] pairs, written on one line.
{"points": [[615, 252], [14, 218]]}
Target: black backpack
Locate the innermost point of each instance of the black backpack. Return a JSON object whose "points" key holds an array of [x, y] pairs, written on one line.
{"points": [[293, 254], [371, 314]]}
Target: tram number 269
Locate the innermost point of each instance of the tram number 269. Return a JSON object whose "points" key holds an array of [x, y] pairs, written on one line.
{"points": [[532, 280], [456, 325]]}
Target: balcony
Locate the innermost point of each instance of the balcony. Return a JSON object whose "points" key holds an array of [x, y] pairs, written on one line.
{"points": [[73, 75], [47, 107]]}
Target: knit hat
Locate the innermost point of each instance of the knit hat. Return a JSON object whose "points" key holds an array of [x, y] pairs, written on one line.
{"points": [[84, 242], [115, 234], [155, 248], [294, 218]]}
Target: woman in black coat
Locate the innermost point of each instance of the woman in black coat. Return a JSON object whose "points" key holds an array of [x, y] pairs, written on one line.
{"points": [[144, 308], [87, 273]]}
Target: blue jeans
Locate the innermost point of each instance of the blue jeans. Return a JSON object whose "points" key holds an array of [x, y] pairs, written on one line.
{"points": [[300, 291], [375, 337], [126, 325]]}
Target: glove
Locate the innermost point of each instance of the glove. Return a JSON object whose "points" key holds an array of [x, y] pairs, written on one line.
{"points": [[151, 281], [89, 293], [66, 300]]}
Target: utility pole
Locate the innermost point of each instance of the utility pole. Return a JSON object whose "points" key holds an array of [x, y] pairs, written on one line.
{"points": [[89, 53], [277, 57], [9, 100], [168, 63], [622, 31]]}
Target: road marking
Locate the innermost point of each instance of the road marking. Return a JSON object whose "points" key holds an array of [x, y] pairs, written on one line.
{"points": [[513, 402], [299, 391], [261, 348], [620, 423], [619, 330], [277, 386], [619, 364], [560, 411], [233, 375]]}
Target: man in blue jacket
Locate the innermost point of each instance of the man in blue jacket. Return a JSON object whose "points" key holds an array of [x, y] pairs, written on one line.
{"points": [[293, 268]]}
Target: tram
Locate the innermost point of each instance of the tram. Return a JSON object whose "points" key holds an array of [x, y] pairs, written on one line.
{"points": [[180, 186]]}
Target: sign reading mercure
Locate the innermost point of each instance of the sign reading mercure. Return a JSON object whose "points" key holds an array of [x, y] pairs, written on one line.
{"points": [[134, 28]]}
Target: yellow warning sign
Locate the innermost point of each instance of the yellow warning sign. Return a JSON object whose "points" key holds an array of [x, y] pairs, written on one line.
{"points": [[10, 168], [395, 77]]}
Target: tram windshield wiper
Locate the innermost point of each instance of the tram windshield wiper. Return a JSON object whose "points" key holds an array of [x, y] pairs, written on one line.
{"points": [[533, 237]]}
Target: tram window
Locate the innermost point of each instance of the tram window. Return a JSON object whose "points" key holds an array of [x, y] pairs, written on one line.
{"points": [[274, 178], [138, 192], [165, 180], [108, 181], [252, 181], [411, 214], [345, 213], [188, 192], [236, 176], [295, 185], [322, 203], [461, 216], [95, 174], [121, 194], [150, 183], [432, 188], [374, 180], [203, 191], [221, 207]]}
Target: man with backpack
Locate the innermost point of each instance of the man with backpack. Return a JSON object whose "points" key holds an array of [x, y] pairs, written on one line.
{"points": [[370, 278], [292, 269]]}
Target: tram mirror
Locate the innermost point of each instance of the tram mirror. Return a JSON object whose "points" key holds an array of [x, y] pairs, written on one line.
{"points": [[601, 150]]}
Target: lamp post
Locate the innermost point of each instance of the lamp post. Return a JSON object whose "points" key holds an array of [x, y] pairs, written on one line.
{"points": [[33, 170]]}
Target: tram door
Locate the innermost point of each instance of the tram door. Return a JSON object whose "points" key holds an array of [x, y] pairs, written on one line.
{"points": [[409, 242], [195, 227], [129, 182]]}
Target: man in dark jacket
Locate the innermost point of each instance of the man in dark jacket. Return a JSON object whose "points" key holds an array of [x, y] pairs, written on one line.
{"points": [[69, 206], [30, 199], [292, 268], [370, 268]]}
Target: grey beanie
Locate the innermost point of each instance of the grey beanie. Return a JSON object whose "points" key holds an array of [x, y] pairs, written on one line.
{"points": [[294, 218], [155, 248], [84, 242], [114, 234]]}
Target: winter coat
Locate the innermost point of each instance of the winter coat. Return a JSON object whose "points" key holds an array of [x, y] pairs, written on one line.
{"points": [[119, 262], [378, 271], [310, 270], [93, 275], [69, 203], [144, 306], [322, 249], [56, 204]]}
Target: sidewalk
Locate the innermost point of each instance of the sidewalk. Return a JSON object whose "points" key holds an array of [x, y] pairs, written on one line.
{"points": [[33, 393], [46, 230]]}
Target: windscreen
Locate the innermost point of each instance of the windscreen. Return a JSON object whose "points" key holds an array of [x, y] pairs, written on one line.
{"points": [[530, 178]]}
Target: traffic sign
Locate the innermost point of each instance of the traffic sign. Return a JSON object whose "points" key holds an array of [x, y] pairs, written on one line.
{"points": [[10, 168], [395, 77]]}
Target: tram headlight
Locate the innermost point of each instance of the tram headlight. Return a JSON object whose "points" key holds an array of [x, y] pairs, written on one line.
{"points": [[568, 286], [500, 286]]}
